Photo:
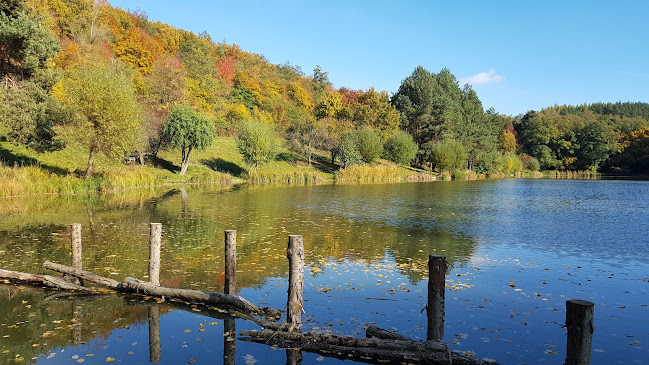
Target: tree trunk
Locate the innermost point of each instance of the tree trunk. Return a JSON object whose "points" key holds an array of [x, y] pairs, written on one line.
{"points": [[91, 161], [184, 163]]}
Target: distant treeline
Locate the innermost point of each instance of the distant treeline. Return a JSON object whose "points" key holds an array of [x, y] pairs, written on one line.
{"points": [[610, 136]]}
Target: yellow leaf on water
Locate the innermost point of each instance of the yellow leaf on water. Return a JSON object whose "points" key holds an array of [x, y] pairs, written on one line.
{"points": [[110, 359], [187, 331]]}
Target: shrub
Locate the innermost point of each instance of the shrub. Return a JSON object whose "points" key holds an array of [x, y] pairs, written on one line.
{"points": [[400, 148], [369, 144], [257, 143], [509, 163], [348, 150], [448, 155]]}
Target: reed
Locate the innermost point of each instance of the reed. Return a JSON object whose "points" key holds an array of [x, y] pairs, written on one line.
{"points": [[384, 172]]}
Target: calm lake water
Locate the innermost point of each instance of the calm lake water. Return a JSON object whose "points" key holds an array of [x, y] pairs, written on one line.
{"points": [[518, 250]]}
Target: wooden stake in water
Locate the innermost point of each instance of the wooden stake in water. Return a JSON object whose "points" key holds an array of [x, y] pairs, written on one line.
{"points": [[436, 293], [154, 334], [155, 239], [75, 248], [295, 255], [230, 286], [579, 322]]}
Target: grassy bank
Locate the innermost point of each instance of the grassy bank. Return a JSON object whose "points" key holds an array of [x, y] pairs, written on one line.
{"points": [[25, 172]]}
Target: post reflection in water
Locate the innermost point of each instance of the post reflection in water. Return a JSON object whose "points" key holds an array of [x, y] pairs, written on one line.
{"points": [[229, 341], [293, 357], [154, 334]]}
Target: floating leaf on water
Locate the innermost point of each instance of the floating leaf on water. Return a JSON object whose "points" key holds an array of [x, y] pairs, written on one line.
{"points": [[110, 359]]}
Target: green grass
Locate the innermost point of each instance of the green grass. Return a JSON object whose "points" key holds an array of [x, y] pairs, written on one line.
{"points": [[26, 172]]}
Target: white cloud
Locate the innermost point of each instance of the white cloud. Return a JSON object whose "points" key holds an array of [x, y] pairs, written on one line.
{"points": [[482, 78]]}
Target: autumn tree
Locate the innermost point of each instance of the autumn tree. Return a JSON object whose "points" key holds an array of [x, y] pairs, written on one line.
{"points": [[106, 113], [188, 130], [507, 142]]}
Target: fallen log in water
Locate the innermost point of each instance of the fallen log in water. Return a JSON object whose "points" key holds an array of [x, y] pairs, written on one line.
{"points": [[84, 275], [46, 280], [363, 348], [196, 296], [457, 357]]}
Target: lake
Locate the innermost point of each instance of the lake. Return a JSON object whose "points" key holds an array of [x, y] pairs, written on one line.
{"points": [[518, 249]]}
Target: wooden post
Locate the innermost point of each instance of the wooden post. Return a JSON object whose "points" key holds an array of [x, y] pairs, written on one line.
{"points": [[579, 321], [155, 239], [229, 341], [293, 357], [230, 286], [75, 247], [436, 291], [295, 255], [154, 334]]}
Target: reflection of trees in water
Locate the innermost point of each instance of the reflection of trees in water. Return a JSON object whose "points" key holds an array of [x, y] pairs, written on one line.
{"points": [[408, 221], [41, 317]]}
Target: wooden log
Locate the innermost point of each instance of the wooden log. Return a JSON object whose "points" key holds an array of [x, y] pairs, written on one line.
{"points": [[196, 296], [436, 292], [457, 357], [85, 275], [61, 284], [155, 239], [154, 333], [375, 332], [579, 321], [230, 262], [350, 350], [21, 276], [295, 255], [46, 280], [349, 341], [77, 252]]}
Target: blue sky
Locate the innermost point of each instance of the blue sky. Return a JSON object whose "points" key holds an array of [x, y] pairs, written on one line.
{"points": [[518, 55]]}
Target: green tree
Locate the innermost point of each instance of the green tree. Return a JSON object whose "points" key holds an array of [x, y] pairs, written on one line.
{"points": [[25, 44], [320, 80], [257, 142], [369, 144], [348, 150], [106, 114], [28, 112], [448, 155], [188, 129], [400, 148], [592, 146]]}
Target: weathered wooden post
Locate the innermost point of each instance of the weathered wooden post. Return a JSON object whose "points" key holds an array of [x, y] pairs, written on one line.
{"points": [[154, 334], [75, 248], [230, 286], [155, 239], [295, 255], [293, 357], [579, 321], [436, 293], [229, 341]]}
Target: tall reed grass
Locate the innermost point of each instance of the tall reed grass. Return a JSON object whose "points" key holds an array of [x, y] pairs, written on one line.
{"points": [[379, 173]]}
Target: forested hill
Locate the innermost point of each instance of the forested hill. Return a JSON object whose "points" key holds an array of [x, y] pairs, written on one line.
{"points": [[112, 82], [624, 109]]}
